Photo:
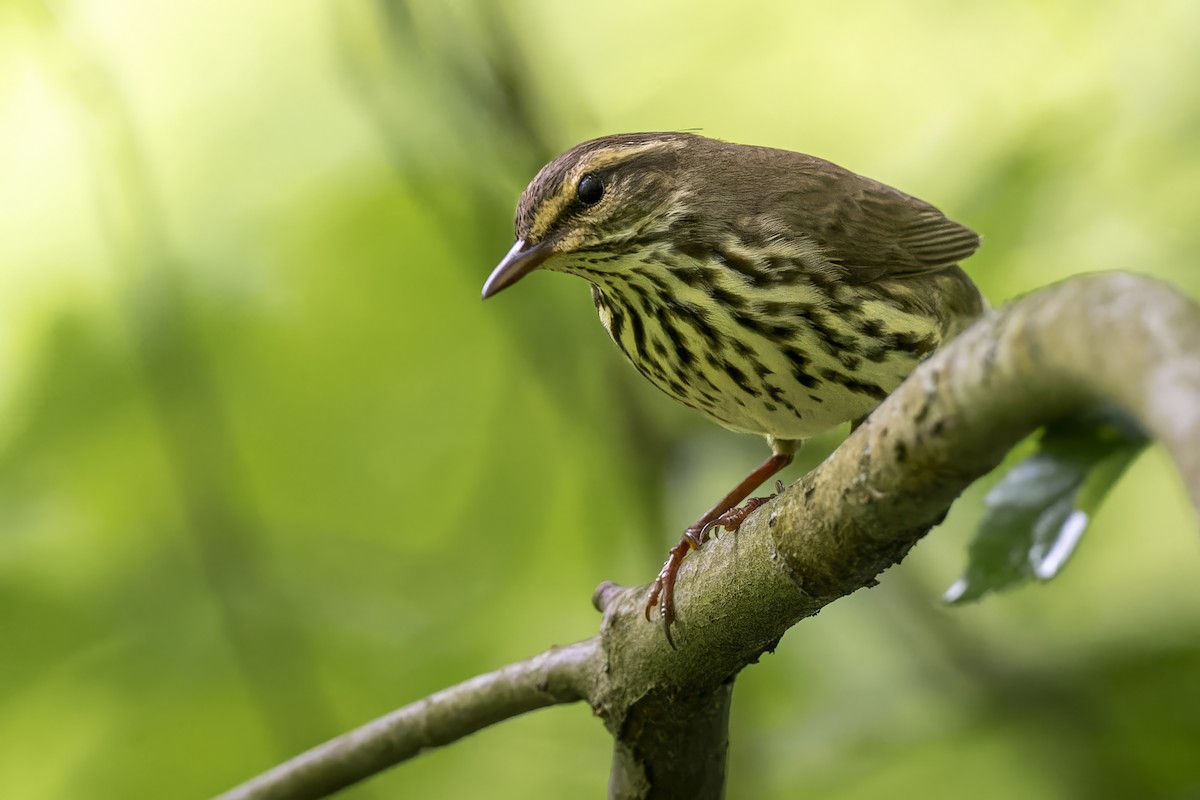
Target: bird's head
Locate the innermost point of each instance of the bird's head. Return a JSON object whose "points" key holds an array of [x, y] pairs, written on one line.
{"points": [[596, 204]]}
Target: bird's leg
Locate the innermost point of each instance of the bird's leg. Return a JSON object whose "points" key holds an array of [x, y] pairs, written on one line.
{"points": [[662, 593]]}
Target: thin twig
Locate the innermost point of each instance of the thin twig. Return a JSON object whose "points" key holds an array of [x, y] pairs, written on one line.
{"points": [[556, 676]]}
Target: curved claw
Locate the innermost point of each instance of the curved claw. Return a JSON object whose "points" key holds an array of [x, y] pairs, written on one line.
{"points": [[652, 598], [718, 522], [666, 612]]}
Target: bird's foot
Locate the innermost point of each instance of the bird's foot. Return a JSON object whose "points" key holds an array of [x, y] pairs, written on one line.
{"points": [[662, 593], [732, 519]]}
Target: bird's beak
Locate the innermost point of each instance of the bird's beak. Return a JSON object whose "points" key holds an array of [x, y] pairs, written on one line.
{"points": [[521, 260]]}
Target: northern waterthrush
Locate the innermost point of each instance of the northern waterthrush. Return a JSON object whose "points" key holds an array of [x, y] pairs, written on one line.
{"points": [[778, 293]]}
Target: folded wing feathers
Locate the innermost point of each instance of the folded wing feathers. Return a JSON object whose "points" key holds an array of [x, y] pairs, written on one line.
{"points": [[935, 241]]}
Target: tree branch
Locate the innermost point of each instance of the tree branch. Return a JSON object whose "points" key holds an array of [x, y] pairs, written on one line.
{"points": [[553, 677], [1105, 339]]}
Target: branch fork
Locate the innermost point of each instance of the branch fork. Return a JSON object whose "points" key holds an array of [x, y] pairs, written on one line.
{"points": [[1102, 339]]}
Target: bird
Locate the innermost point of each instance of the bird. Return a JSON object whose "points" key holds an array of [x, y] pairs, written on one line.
{"points": [[777, 293]]}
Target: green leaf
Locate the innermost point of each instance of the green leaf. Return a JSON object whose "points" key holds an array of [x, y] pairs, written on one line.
{"points": [[1039, 511]]}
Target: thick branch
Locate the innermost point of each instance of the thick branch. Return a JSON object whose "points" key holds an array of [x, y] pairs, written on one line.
{"points": [[1115, 338], [1107, 339]]}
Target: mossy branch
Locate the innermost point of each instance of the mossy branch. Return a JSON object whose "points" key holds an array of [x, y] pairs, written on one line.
{"points": [[1113, 339]]}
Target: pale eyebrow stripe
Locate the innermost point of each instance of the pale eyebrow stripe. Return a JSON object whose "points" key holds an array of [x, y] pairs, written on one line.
{"points": [[553, 208]]}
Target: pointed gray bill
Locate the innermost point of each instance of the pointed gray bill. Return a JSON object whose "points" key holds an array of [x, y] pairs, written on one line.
{"points": [[520, 261]]}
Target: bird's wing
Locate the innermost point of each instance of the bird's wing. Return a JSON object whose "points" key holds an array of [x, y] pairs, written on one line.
{"points": [[869, 229]]}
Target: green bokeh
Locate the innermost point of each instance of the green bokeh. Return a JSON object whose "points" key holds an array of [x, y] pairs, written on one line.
{"points": [[269, 469]]}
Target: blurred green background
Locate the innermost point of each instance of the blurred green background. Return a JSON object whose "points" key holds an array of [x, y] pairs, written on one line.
{"points": [[269, 468]]}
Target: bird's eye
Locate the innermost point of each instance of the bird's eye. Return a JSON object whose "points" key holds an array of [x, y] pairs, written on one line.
{"points": [[590, 190]]}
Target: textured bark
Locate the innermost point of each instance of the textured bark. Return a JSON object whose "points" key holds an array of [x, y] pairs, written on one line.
{"points": [[1106, 339]]}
